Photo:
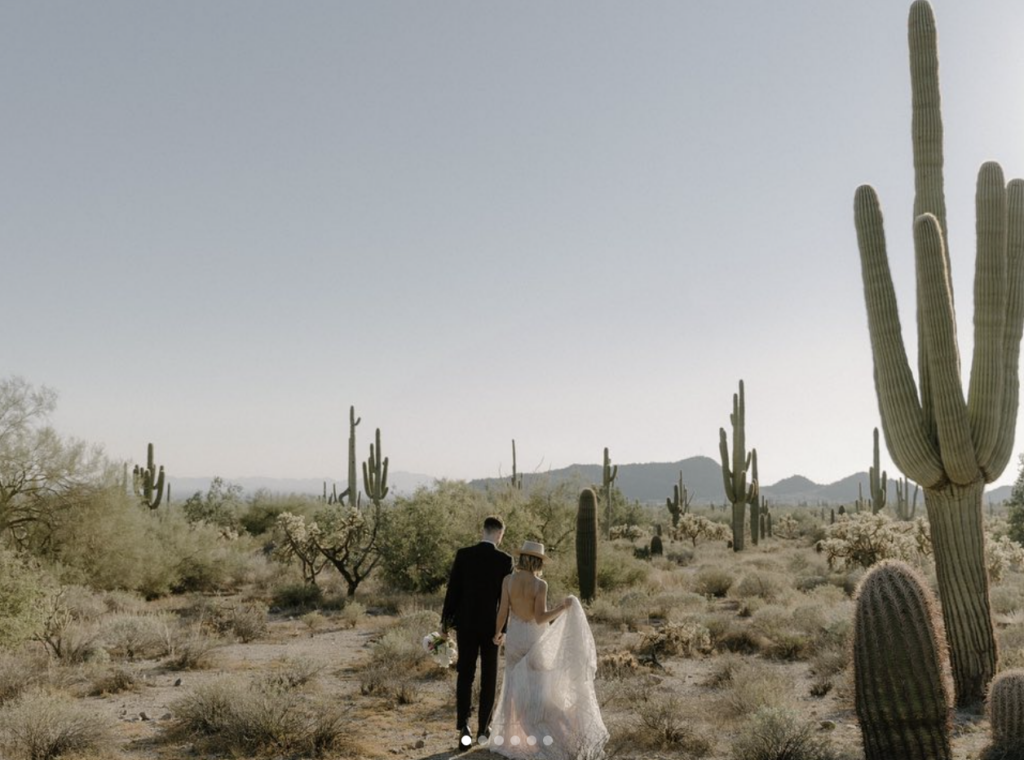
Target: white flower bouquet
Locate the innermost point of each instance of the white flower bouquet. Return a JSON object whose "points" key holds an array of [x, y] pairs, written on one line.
{"points": [[441, 648]]}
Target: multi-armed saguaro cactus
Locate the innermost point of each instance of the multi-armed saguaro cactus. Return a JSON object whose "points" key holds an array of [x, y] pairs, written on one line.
{"points": [[879, 484], [735, 477], [1006, 715], [352, 492], [148, 484], [950, 446], [517, 478], [375, 474], [608, 475], [901, 695], [905, 507], [586, 543], [679, 504]]}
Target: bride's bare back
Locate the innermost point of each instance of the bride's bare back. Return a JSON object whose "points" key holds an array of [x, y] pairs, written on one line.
{"points": [[526, 596]]}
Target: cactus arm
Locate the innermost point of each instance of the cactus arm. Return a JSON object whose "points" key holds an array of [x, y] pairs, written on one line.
{"points": [[984, 399], [934, 293], [1014, 328], [723, 448], [903, 421]]}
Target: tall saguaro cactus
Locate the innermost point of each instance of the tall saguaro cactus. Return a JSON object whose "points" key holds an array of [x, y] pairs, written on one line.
{"points": [[899, 683], [586, 543], [517, 478], [879, 484], [735, 476], [352, 492], [951, 446], [680, 502], [375, 474], [147, 483], [905, 507], [608, 475], [754, 501]]}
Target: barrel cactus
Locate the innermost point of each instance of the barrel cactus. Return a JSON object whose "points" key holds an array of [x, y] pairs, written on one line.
{"points": [[901, 693], [1006, 715], [586, 543], [950, 444]]}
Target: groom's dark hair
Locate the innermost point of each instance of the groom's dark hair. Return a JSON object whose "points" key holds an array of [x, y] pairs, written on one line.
{"points": [[493, 524]]}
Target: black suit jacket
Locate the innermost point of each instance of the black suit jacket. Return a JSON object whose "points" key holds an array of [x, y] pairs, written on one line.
{"points": [[474, 588]]}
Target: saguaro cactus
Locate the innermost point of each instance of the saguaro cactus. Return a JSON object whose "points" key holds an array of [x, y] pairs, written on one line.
{"points": [[754, 501], [375, 474], [901, 695], [679, 504], [735, 477], [905, 507], [879, 484], [608, 475], [147, 483], [586, 543], [352, 492], [1006, 715], [517, 479], [950, 446]]}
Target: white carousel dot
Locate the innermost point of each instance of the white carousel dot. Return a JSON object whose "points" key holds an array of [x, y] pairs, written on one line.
{"points": [[466, 741], [514, 741], [531, 740], [548, 741], [498, 740]]}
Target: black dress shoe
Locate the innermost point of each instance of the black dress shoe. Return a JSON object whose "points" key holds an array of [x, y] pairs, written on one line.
{"points": [[465, 740]]}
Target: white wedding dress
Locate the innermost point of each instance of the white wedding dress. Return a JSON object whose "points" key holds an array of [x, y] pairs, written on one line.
{"points": [[547, 709]]}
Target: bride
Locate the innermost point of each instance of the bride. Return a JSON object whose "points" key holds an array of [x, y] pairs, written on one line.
{"points": [[547, 709]]}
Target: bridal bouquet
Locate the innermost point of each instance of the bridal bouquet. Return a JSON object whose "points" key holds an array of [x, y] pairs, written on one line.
{"points": [[441, 647]]}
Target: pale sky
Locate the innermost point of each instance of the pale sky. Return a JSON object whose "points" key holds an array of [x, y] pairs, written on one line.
{"points": [[575, 224]]}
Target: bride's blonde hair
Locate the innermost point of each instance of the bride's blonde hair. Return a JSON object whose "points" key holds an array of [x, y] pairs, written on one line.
{"points": [[530, 564]]}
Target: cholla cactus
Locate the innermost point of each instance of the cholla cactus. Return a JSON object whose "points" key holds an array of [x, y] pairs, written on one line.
{"points": [[864, 539], [693, 527], [299, 542], [1002, 553]]}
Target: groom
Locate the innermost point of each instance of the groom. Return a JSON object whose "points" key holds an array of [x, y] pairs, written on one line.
{"points": [[471, 607]]}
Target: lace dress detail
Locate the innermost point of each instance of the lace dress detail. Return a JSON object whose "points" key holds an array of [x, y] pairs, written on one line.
{"points": [[547, 709]]}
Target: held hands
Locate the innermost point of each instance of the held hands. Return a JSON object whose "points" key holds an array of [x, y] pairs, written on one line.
{"points": [[498, 639]]}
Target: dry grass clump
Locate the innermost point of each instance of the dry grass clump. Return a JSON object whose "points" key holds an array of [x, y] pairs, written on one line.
{"points": [[351, 614], [777, 733], [191, 648], [398, 660], [1011, 644], [630, 610], [662, 724], [750, 685], [291, 673], [19, 672], [1007, 598], [827, 667], [117, 679], [241, 717], [41, 725], [764, 585], [247, 622], [674, 605]]}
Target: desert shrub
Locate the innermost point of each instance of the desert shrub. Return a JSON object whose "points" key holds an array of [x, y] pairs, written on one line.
{"points": [[763, 585], [618, 570], [777, 733], [826, 666], [630, 610], [19, 672], [136, 636], [24, 588], [40, 725], [1006, 599], [864, 539], [752, 686], [298, 596], [237, 716], [247, 622], [117, 679], [291, 673], [314, 621], [670, 605], [695, 528], [351, 614], [117, 600], [663, 724], [713, 581], [191, 648], [221, 506]]}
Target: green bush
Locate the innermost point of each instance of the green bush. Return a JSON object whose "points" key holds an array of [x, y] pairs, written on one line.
{"points": [[24, 588], [298, 596]]}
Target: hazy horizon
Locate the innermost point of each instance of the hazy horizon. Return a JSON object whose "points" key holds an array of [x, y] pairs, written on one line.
{"points": [[575, 225]]}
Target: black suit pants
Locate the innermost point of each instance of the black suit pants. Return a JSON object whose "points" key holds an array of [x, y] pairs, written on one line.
{"points": [[473, 645]]}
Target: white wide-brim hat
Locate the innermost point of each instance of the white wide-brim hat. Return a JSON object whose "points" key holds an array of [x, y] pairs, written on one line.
{"points": [[533, 549]]}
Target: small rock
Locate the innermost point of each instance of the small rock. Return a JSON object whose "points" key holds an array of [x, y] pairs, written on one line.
{"points": [[420, 744], [177, 682], [166, 716], [144, 716], [828, 725]]}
